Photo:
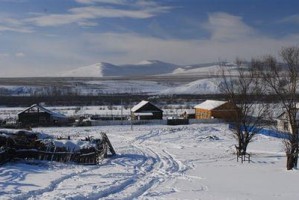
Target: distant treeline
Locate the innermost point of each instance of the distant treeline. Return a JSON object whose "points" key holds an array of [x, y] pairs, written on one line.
{"points": [[117, 99]]}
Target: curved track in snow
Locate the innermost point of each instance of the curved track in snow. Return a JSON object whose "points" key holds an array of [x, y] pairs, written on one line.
{"points": [[146, 167], [144, 170]]}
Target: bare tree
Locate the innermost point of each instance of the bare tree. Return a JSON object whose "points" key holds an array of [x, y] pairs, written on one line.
{"points": [[243, 89], [282, 79]]}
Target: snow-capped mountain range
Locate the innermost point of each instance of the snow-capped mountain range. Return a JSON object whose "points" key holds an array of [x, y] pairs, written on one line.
{"points": [[162, 79], [148, 67]]}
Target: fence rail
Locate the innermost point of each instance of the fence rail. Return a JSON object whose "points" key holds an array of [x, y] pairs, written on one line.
{"points": [[152, 122]]}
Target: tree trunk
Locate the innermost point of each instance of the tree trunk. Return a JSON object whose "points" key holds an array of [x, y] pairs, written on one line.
{"points": [[290, 161], [244, 149], [295, 157]]}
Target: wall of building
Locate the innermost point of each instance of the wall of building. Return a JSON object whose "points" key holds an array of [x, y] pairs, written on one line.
{"points": [[202, 113]]}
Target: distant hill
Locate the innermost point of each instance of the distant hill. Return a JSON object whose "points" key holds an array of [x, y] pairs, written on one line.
{"points": [[106, 78], [96, 70], [148, 67]]}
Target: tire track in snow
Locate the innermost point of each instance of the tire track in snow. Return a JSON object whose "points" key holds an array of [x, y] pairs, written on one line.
{"points": [[146, 167], [164, 167], [36, 194], [139, 183], [148, 173], [140, 163], [160, 167]]}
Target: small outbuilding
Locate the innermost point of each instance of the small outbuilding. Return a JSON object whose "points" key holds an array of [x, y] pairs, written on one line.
{"points": [[215, 109], [37, 115], [283, 122], [145, 110]]}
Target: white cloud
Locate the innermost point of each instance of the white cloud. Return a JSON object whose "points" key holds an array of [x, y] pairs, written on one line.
{"points": [[16, 29], [140, 3], [20, 54], [87, 24], [128, 48], [4, 55], [63, 53], [14, 1], [146, 3], [104, 12], [230, 38], [121, 2], [15, 25], [224, 26], [290, 19], [84, 14]]}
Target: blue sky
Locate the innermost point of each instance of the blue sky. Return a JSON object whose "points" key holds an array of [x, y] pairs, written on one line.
{"points": [[45, 37]]}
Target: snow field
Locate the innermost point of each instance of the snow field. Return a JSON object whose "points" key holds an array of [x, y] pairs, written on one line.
{"points": [[157, 162]]}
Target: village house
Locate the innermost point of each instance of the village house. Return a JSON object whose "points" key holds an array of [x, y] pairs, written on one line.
{"points": [[283, 122], [210, 109], [36, 115], [146, 110]]}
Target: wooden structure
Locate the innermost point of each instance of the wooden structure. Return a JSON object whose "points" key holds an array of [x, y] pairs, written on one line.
{"points": [[242, 156], [37, 115], [215, 109], [26, 145], [283, 122], [145, 110]]}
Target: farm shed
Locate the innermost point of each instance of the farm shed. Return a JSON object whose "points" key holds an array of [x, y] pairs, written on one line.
{"points": [[215, 109], [38, 115], [146, 110]]}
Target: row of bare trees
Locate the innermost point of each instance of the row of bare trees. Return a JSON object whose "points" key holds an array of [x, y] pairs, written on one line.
{"points": [[263, 76]]}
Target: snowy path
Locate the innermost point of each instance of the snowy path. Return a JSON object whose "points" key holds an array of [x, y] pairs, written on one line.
{"points": [[139, 171], [153, 162]]}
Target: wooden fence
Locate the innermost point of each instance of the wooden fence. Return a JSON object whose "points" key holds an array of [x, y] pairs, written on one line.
{"points": [[151, 122]]}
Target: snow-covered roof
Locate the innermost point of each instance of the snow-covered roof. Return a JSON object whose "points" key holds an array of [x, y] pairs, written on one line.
{"points": [[53, 114], [140, 105], [210, 104], [143, 103], [143, 114]]}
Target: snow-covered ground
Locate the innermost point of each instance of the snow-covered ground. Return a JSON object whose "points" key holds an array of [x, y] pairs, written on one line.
{"points": [[158, 162], [201, 86]]}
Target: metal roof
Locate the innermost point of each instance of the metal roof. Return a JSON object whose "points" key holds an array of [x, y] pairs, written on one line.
{"points": [[210, 104], [54, 114]]}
